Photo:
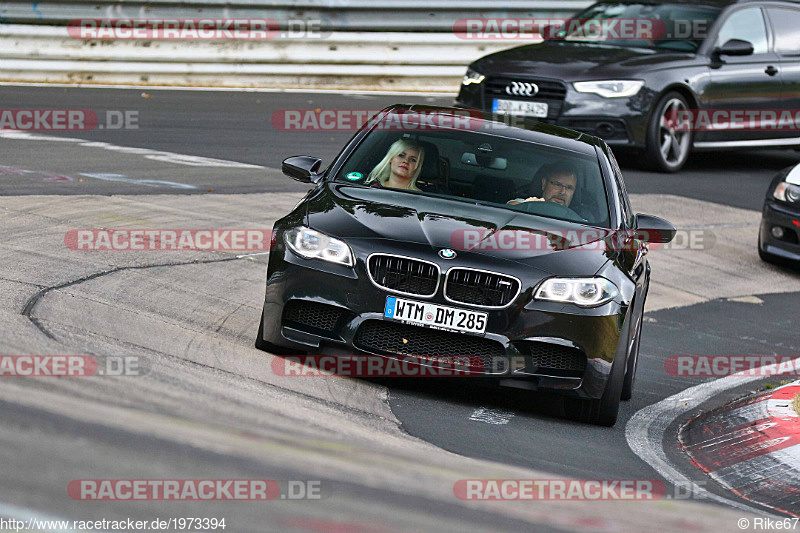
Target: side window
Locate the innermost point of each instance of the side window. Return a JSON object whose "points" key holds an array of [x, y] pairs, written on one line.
{"points": [[786, 23], [624, 202], [748, 25]]}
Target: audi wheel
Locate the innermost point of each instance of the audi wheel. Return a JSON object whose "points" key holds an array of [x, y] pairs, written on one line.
{"points": [[669, 136]]}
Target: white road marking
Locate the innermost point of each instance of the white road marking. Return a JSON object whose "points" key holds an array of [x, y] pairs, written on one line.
{"points": [[783, 408], [747, 300], [148, 183], [231, 89], [646, 430], [155, 155], [491, 416]]}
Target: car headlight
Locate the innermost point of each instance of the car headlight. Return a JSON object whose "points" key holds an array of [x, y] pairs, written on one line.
{"points": [[472, 76], [610, 88], [583, 292], [787, 192], [312, 244]]}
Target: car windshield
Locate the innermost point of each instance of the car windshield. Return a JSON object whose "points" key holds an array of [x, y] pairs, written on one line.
{"points": [[476, 167], [680, 27]]}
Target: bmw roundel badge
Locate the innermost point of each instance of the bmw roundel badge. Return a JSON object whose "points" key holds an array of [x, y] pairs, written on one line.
{"points": [[447, 253]]}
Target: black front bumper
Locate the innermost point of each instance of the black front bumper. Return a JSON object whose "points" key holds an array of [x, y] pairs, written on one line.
{"points": [[620, 122], [320, 308], [788, 246]]}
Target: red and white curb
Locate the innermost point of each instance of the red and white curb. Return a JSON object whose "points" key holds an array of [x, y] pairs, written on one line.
{"points": [[751, 447]]}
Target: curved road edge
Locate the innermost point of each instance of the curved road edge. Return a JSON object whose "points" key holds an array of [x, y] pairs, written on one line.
{"points": [[751, 446]]}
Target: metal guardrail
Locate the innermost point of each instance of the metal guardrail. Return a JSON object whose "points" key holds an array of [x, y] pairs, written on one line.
{"points": [[335, 15], [369, 45], [353, 60]]}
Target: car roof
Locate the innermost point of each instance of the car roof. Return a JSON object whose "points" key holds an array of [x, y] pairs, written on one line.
{"points": [[533, 131]]}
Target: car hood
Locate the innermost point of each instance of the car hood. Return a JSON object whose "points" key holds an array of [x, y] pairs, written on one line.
{"points": [[555, 246], [570, 61]]}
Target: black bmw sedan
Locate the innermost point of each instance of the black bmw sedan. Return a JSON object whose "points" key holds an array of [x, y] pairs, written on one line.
{"points": [[731, 68], [435, 235], [778, 238]]}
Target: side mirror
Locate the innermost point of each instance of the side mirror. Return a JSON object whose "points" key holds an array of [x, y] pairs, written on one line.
{"points": [[302, 168], [654, 229], [735, 47]]}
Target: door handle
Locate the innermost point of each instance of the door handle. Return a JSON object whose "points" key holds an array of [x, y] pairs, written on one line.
{"points": [[771, 70]]}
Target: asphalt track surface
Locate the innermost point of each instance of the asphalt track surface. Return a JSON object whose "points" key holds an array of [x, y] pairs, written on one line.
{"points": [[208, 408], [238, 127]]}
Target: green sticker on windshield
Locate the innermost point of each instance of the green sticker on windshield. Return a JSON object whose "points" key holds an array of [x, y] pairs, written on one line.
{"points": [[354, 176]]}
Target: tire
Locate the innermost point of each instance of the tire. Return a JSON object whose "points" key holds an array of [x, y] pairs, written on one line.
{"points": [[265, 346], [667, 148], [260, 343], [602, 412], [633, 361]]}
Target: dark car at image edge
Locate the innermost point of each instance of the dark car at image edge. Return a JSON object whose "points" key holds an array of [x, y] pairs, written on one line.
{"points": [[348, 249], [779, 234], [745, 55]]}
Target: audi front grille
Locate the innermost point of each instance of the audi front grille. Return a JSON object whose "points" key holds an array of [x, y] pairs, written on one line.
{"points": [[518, 88], [553, 93]]}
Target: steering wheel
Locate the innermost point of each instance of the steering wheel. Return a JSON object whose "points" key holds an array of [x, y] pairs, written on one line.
{"points": [[550, 209]]}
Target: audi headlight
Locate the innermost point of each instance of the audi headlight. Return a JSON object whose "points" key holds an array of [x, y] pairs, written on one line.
{"points": [[472, 76], [583, 292], [312, 244], [610, 88], [787, 192]]}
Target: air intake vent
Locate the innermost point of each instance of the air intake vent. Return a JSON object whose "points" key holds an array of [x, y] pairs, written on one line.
{"points": [[476, 287], [391, 338], [314, 315], [554, 359], [404, 275]]}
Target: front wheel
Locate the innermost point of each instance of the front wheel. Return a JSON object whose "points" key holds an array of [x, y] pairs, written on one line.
{"points": [[260, 343], [669, 134], [633, 360], [602, 412], [265, 346]]}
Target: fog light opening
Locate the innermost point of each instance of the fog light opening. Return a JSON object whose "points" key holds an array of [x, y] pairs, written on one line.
{"points": [[777, 232], [604, 129]]}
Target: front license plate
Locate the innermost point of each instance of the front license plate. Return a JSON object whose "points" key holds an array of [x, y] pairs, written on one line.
{"points": [[515, 107], [434, 315]]}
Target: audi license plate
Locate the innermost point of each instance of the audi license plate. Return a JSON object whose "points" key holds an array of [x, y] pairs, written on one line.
{"points": [[515, 107], [434, 316]]}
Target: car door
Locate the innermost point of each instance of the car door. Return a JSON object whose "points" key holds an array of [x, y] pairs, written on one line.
{"points": [[786, 28], [633, 249], [742, 83]]}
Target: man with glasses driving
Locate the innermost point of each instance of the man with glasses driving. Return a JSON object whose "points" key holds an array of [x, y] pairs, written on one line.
{"points": [[559, 181]]}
